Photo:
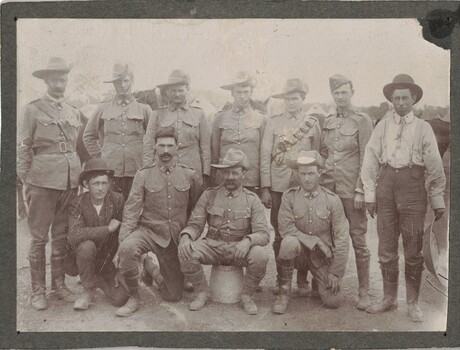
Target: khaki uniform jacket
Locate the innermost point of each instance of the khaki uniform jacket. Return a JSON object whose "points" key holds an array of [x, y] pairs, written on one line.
{"points": [[313, 216], [47, 144], [161, 200], [115, 133], [240, 129]]}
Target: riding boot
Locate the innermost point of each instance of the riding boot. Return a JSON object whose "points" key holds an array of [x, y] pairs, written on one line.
{"points": [[390, 292], [38, 279], [286, 269], [198, 279], [362, 267], [413, 277], [134, 301]]}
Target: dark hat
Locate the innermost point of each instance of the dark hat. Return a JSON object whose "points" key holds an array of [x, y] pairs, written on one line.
{"points": [[177, 77], [95, 164], [337, 80], [233, 158], [241, 78], [293, 85], [55, 64], [120, 70], [403, 81], [306, 158]]}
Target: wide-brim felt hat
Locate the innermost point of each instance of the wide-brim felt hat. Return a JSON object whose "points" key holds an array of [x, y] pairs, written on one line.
{"points": [[233, 158], [306, 158], [403, 81], [293, 85], [55, 65], [95, 164], [177, 77], [120, 70], [241, 78]]}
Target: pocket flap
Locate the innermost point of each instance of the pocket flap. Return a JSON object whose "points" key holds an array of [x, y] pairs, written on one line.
{"points": [[242, 214], [215, 211], [182, 187], [348, 131], [136, 118], [323, 213]]}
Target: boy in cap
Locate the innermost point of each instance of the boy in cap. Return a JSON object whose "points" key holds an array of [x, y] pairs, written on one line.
{"points": [[311, 223], [49, 166], [94, 222], [402, 169], [239, 126], [237, 231], [344, 138]]}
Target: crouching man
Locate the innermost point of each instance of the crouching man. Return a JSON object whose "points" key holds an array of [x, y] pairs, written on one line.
{"points": [[237, 231], [94, 222], [312, 222]]}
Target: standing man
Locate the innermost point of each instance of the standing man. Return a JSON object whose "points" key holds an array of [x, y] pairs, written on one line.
{"points": [[312, 223], [116, 130], [284, 137], [241, 127], [157, 209], [344, 138], [190, 123], [94, 222], [49, 166], [402, 169], [237, 231]]}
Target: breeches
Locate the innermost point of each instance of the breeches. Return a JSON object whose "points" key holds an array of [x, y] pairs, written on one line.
{"points": [[357, 220]]}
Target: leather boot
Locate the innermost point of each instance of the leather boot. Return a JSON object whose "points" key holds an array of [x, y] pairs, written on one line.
{"points": [[38, 279], [250, 284], [134, 302], [58, 274], [84, 300], [198, 279], [286, 269], [413, 277], [151, 272], [302, 283], [364, 300], [314, 293], [390, 293], [39, 300]]}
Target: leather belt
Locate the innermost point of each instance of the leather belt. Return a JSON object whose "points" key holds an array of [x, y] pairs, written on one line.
{"points": [[59, 147]]}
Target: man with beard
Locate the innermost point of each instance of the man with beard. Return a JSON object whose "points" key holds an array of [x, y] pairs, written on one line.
{"points": [[311, 223], [402, 169], [49, 166], [156, 211], [190, 123], [119, 124], [239, 126], [237, 231]]}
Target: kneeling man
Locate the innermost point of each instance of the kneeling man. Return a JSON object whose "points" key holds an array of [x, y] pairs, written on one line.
{"points": [[237, 231], [94, 222], [312, 222]]}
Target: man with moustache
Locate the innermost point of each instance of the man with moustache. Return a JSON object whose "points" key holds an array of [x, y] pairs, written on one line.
{"points": [[237, 232], [49, 166], [156, 211], [116, 129], [312, 224], [239, 126], [344, 138], [402, 169], [284, 137], [190, 123]]}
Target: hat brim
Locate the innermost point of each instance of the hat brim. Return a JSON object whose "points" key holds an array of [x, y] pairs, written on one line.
{"points": [[293, 164], [248, 82], [161, 86], [243, 164], [84, 174], [42, 73], [283, 95], [389, 88], [112, 80]]}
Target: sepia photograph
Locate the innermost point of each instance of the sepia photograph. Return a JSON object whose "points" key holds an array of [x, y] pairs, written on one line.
{"points": [[231, 175]]}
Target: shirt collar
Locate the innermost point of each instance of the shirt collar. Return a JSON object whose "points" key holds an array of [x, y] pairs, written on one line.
{"points": [[294, 115], [409, 117], [234, 193], [168, 169], [123, 99], [54, 101], [349, 111], [308, 194], [238, 109], [173, 107]]}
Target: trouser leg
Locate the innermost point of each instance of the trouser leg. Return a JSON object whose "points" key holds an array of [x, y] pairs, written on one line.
{"points": [[276, 203], [256, 266], [116, 294], [86, 253]]}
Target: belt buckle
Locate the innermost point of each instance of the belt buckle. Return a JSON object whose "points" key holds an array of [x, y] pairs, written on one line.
{"points": [[62, 149]]}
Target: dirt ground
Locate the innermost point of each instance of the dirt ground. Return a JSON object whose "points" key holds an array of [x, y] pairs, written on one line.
{"points": [[304, 314]]}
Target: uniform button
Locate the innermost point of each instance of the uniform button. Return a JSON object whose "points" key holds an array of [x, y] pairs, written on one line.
{"points": [[122, 134], [169, 208], [310, 209], [169, 220], [169, 196], [122, 123], [229, 210], [396, 170], [230, 197], [239, 133], [338, 126], [336, 139], [179, 120], [228, 221], [335, 163], [180, 156], [239, 121], [335, 151], [311, 221], [123, 145], [169, 183], [180, 132], [62, 134], [309, 232], [239, 143], [295, 216], [180, 143]]}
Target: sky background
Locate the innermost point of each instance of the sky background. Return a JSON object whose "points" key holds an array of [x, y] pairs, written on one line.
{"points": [[370, 52]]}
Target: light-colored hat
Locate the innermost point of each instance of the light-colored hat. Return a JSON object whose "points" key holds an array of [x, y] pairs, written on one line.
{"points": [[233, 158], [241, 78], [293, 85], [403, 81], [95, 164], [177, 77], [120, 70], [306, 158], [55, 64], [337, 80]]}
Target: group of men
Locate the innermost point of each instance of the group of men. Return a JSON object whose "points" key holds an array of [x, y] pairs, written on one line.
{"points": [[156, 178]]}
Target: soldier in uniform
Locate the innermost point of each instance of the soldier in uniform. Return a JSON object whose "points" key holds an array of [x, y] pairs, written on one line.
{"points": [[116, 129], [94, 222], [190, 123], [49, 166], [237, 231], [312, 222], [155, 213], [284, 137], [240, 126], [402, 169], [344, 138]]}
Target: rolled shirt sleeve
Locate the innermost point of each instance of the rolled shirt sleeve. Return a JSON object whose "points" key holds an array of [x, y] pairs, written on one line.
{"points": [[370, 166], [365, 129]]}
